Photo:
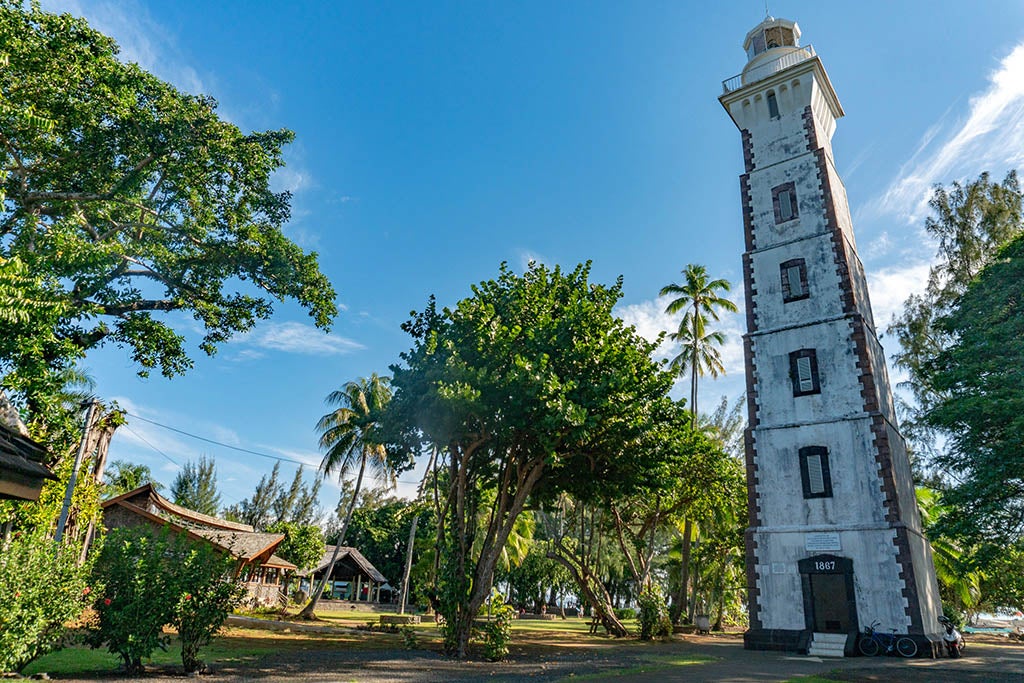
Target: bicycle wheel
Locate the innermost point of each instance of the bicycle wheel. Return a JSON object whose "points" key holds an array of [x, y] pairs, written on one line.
{"points": [[868, 646], [906, 647]]}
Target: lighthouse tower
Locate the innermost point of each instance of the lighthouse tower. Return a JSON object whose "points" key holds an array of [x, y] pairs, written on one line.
{"points": [[834, 541]]}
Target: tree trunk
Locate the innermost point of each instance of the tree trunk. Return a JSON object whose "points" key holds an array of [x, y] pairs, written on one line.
{"points": [[408, 565], [601, 602], [679, 599], [308, 612]]}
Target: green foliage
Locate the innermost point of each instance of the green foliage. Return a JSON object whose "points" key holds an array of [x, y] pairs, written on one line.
{"points": [[979, 376], [140, 594], [206, 595], [271, 502], [409, 639], [195, 487], [623, 613], [154, 579], [41, 591], [496, 631], [303, 544], [134, 200], [123, 476], [528, 388], [654, 621], [971, 222], [382, 532]]}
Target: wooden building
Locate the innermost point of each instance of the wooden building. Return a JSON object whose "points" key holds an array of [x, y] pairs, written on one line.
{"points": [[261, 571], [354, 577], [22, 461]]}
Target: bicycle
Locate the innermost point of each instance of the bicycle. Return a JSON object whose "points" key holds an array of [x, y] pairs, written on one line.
{"points": [[873, 642]]}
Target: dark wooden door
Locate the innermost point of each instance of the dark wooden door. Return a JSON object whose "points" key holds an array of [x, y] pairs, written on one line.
{"points": [[830, 605]]}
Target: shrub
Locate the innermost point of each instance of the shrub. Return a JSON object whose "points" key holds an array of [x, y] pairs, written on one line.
{"points": [[497, 631], [409, 637], [140, 594], [654, 620], [41, 591], [625, 613], [206, 595], [154, 578]]}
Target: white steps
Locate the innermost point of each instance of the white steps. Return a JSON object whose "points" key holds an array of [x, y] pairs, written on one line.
{"points": [[827, 645]]}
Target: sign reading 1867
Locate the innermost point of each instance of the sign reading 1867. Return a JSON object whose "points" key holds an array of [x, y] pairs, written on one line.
{"points": [[819, 542]]}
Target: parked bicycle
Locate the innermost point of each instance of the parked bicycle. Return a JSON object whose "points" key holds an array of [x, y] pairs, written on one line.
{"points": [[873, 642]]}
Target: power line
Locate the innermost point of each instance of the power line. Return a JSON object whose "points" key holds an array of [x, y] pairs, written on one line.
{"points": [[143, 440], [223, 445]]}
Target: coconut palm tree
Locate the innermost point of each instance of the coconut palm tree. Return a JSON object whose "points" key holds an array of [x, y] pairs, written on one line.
{"points": [[700, 300], [347, 439]]}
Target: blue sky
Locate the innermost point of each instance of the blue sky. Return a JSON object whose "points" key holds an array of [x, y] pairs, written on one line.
{"points": [[436, 140]]}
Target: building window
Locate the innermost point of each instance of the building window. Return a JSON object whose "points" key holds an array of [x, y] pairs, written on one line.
{"points": [[794, 280], [803, 367], [815, 473], [784, 202], [773, 105]]}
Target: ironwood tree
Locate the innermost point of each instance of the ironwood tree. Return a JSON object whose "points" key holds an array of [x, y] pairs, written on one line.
{"points": [[529, 387]]}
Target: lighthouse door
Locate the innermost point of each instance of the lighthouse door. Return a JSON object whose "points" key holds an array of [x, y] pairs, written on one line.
{"points": [[830, 604]]}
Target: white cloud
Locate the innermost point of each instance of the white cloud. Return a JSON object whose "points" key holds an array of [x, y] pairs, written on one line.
{"points": [[991, 138], [294, 337], [526, 257], [890, 287]]}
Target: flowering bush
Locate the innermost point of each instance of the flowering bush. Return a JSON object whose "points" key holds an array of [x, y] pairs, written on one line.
{"points": [[41, 591], [207, 594], [155, 579], [140, 594]]}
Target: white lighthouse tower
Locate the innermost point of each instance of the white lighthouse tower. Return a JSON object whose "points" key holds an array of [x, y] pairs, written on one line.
{"points": [[834, 540]]}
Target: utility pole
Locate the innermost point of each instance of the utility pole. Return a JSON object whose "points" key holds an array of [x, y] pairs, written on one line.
{"points": [[66, 508]]}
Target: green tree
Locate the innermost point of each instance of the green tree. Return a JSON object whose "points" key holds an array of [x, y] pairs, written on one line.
{"points": [[137, 201], [529, 386], [347, 435], [195, 487], [970, 222], [123, 476], [979, 377], [303, 544], [700, 301]]}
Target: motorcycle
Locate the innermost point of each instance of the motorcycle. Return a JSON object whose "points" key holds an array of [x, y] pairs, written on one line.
{"points": [[952, 639]]}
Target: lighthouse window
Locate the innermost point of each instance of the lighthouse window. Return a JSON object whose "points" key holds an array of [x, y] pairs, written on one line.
{"points": [[814, 472], [784, 202], [794, 280], [803, 368], [773, 105]]}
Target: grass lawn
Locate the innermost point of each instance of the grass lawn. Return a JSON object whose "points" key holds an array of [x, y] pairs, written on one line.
{"points": [[234, 645]]}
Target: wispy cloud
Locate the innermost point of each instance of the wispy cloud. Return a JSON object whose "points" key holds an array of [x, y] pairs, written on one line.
{"points": [[294, 337], [526, 257], [991, 137], [891, 286]]}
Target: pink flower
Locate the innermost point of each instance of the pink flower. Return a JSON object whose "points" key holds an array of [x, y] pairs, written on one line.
{"points": [[188, 596], [86, 590], [106, 601]]}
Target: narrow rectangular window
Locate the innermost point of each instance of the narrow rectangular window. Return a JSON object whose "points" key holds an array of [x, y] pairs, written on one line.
{"points": [[803, 369], [784, 202], [785, 206], [793, 274], [815, 474], [773, 105]]}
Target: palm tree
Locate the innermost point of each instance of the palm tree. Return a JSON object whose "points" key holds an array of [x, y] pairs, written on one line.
{"points": [[347, 439], [701, 301]]}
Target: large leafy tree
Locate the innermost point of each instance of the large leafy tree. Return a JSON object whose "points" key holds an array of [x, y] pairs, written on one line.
{"points": [[530, 386], [970, 222], [700, 301], [123, 476], [134, 201], [348, 435], [981, 409]]}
